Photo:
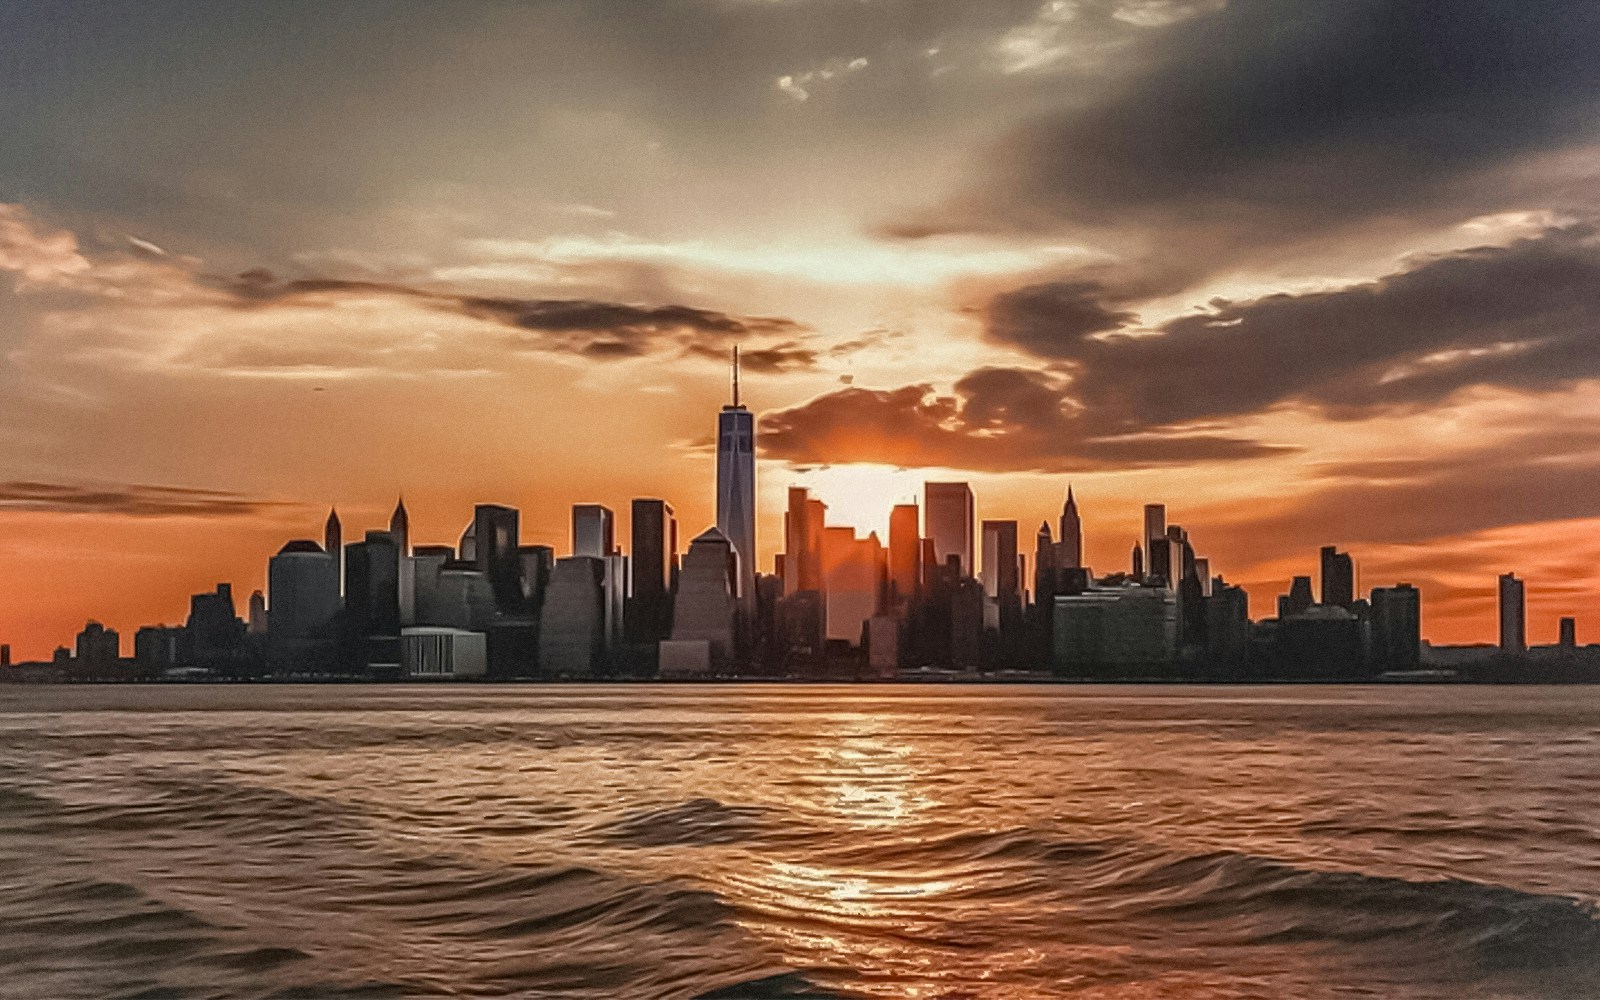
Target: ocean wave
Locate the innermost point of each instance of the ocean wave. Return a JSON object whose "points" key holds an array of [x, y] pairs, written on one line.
{"points": [[697, 821]]}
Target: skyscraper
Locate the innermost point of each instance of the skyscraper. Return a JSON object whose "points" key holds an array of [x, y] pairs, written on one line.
{"points": [[736, 490], [1396, 627], [303, 595], [406, 570], [572, 623], [905, 550], [655, 542], [400, 527], [1513, 615], [803, 524], [1071, 542], [593, 531], [704, 610], [949, 508], [1002, 589], [372, 600], [1155, 540], [495, 531], [333, 543], [1338, 578]]}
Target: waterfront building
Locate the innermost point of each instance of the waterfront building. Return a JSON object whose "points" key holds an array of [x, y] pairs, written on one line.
{"points": [[572, 623], [1124, 631], [654, 552], [706, 602], [1513, 615], [434, 653], [303, 597], [1396, 617]]}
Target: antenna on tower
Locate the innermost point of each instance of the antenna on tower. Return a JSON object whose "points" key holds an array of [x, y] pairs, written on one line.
{"points": [[736, 376]]}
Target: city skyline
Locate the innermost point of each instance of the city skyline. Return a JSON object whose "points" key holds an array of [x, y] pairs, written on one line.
{"points": [[260, 261]]}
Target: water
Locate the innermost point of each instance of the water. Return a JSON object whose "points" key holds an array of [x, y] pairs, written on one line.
{"points": [[792, 841]]}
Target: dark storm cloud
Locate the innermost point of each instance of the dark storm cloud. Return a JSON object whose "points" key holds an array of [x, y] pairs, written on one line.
{"points": [[1278, 118], [997, 419], [1044, 319], [1523, 316], [600, 330], [134, 500]]}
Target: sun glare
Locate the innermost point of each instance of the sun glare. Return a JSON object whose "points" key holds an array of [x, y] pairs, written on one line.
{"points": [[861, 496]]}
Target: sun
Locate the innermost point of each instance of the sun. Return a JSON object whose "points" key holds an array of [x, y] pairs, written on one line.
{"points": [[861, 496]]}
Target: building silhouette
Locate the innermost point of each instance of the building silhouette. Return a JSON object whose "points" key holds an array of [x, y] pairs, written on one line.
{"points": [[495, 531], [593, 532], [333, 542], [1396, 615], [654, 557], [1513, 615], [703, 615], [572, 623], [1155, 541], [736, 491], [1338, 578], [1071, 542], [372, 604], [1568, 633], [304, 603]]}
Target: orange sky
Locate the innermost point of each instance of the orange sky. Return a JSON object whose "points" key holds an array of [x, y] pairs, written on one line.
{"points": [[251, 266]]}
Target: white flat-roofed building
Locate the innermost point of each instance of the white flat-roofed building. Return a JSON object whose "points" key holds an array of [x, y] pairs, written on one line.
{"points": [[443, 653]]}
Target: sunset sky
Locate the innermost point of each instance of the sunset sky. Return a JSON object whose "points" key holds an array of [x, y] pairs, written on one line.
{"points": [[1308, 271]]}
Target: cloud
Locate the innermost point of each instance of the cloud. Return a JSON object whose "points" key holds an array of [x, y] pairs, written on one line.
{"points": [[133, 500], [1270, 122], [1522, 316], [801, 85], [996, 419], [1531, 476]]}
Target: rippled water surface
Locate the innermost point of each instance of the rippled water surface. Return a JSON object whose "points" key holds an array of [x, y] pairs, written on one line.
{"points": [[792, 841]]}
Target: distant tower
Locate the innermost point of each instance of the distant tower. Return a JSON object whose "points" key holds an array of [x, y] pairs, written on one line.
{"points": [[258, 614], [736, 490], [333, 543], [1138, 561], [1513, 615], [1156, 559], [1071, 534], [1044, 567], [400, 527], [1338, 578]]}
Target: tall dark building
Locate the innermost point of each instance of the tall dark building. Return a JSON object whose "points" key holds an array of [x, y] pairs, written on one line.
{"points": [[372, 602], [1071, 543], [1155, 540], [303, 587], [400, 527], [333, 542], [1338, 578], [495, 532], [1513, 615], [655, 544], [1136, 565], [1396, 627], [1568, 633], [214, 631]]}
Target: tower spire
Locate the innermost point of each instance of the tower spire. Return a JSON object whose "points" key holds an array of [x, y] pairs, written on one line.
{"points": [[736, 376]]}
